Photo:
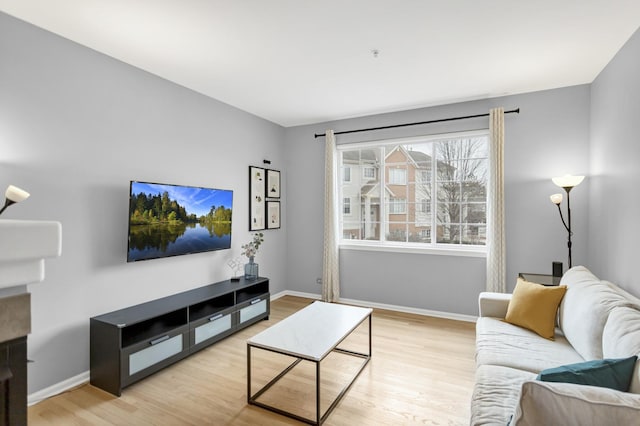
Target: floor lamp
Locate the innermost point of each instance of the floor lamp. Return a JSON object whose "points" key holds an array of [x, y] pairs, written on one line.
{"points": [[567, 182]]}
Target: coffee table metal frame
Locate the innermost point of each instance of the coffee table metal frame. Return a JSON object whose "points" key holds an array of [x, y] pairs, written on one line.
{"points": [[320, 418]]}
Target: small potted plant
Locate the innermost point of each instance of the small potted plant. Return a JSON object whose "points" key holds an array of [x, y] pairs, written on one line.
{"points": [[250, 250]]}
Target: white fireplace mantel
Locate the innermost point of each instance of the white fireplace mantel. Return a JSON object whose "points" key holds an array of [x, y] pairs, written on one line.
{"points": [[24, 244]]}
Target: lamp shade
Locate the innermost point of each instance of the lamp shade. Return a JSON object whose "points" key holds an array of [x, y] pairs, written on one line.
{"points": [[16, 194], [568, 181], [556, 198]]}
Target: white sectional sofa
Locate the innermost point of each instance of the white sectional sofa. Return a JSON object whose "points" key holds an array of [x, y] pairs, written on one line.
{"points": [[596, 319]]}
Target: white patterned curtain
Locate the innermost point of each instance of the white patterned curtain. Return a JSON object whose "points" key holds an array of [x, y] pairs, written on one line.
{"points": [[330, 258], [496, 255]]}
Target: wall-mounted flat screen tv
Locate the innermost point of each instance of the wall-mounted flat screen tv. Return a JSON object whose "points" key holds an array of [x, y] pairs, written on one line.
{"points": [[171, 220]]}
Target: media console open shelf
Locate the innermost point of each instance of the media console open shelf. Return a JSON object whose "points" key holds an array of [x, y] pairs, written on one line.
{"points": [[129, 344]]}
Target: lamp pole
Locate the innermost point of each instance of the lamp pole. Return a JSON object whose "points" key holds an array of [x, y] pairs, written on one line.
{"points": [[567, 183], [569, 233]]}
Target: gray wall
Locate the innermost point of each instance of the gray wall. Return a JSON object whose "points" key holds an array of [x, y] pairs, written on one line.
{"points": [[550, 137], [614, 228], [75, 127]]}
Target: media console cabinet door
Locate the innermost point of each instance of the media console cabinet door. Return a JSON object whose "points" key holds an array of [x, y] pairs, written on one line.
{"points": [[254, 308], [212, 327], [151, 355], [144, 358]]}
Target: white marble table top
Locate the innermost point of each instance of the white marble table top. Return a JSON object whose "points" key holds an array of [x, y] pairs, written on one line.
{"points": [[312, 332]]}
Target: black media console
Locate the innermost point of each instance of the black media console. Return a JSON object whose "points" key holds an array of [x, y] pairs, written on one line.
{"points": [[130, 344]]}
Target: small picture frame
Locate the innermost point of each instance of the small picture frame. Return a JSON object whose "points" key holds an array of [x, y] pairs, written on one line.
{"points": [[257, 204], [273, 184], [273, 214]]}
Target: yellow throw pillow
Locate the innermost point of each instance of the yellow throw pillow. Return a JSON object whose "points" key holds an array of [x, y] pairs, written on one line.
{"points": [[534, 307]]}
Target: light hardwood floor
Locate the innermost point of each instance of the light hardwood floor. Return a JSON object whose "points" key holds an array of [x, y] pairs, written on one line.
{"points": [[421, 372]]}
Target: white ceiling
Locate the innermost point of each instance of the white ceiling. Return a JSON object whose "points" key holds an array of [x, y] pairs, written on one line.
{"points": [[300, 61]]}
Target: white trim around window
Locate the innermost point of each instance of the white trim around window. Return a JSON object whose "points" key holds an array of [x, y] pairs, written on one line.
{"points": [[439, 250]]}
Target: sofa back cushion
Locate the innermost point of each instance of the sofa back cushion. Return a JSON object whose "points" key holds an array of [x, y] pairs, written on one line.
{"points": [[578, 275], [621, 338], [585, 308]]}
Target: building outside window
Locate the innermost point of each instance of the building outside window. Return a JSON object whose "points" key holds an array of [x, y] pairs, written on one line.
{"points": [[429, 191]]}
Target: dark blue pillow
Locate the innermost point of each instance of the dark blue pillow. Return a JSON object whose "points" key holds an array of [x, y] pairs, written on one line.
{"points": [[607, 373]]}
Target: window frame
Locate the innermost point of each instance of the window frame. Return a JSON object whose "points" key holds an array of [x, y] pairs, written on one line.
{"points": [[449, 249]]}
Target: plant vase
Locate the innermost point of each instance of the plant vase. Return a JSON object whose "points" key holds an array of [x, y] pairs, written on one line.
{"points": [[251, 270]]}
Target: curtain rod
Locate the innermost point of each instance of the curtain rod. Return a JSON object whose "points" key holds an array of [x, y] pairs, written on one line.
{"points": [[317, 135]]}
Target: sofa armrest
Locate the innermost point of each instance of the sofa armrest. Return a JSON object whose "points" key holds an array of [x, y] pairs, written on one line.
{"points": [[551, 403], [493, 304]]}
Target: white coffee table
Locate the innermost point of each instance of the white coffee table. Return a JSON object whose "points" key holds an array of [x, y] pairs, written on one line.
{"points": [[310, 335]]}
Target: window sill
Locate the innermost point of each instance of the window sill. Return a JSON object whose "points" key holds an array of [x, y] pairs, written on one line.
{"points": [[480, 251]]}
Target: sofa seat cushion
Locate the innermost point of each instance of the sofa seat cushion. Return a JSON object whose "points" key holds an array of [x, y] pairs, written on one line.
{"points": [[504, 344], [496, 393], [621, 338]]}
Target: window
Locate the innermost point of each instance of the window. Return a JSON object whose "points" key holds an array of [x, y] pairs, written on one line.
{"points": [[425, 233], [346, 174], [346, 206], [397, 206], [397, 176], [424, 206], [369, 173], [429, 192]]}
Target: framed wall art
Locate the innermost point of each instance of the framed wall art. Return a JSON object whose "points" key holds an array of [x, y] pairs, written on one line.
{"points": [[257, 205], [273, 214], [273, 184]]}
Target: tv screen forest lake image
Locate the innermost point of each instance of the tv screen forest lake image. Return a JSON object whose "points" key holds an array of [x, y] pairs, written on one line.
{"points": [[170, 220]]}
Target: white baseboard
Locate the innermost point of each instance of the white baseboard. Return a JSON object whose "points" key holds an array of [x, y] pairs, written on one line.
{"points": [[405, 309], [83, 378], [409, 310], [299, 294], [58, 388], [279, 295]]}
